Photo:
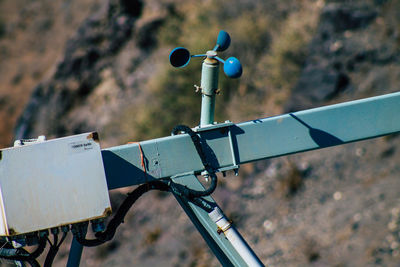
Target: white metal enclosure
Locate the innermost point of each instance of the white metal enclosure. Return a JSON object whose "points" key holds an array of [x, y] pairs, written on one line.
{"points": [[52, 183]]}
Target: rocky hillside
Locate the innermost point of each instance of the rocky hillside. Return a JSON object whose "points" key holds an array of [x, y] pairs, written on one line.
{"points": [[32, 40], [75, 66]]}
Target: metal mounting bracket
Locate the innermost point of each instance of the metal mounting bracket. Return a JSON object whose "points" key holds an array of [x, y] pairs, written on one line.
{"points": [[232, 144]]}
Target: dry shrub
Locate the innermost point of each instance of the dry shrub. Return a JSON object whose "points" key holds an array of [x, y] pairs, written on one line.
{"points": [[152, 236]]}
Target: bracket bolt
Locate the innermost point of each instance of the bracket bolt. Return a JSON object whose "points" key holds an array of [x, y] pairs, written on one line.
{"points": [[198, 88], [205, 175]]}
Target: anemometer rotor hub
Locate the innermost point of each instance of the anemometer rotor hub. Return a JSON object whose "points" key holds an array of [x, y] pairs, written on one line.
{"points": [[211, 54], [210, 59]]}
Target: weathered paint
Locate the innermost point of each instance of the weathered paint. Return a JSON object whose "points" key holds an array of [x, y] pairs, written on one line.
{"points": [[94, 136], [107, 212]]}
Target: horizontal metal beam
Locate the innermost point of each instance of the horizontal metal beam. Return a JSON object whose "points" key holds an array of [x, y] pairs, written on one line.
{"points": [[255, 140]]}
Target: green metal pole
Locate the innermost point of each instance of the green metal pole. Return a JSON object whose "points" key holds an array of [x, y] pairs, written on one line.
{"points": [[75, 254], [209, 85]]}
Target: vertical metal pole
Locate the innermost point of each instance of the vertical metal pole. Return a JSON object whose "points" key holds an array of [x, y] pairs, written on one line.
{"points": [[75, 254], [209, 84]]}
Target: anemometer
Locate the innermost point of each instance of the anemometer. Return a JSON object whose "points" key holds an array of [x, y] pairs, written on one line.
{"points": [[180, 57], [52, 187]]}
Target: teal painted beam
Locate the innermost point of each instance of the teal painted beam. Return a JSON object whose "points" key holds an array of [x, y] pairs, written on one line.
{"points": [[255, 140], [319, 127]]}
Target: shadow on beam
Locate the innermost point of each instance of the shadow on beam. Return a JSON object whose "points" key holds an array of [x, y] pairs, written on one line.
{"points": [[321, 138]]}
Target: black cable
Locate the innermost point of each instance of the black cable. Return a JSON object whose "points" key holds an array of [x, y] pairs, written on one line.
{"points": [[203, 204], [119, 216], [50, 256], [39, 250], [54, 247], [178, 189], [21, 254], [32, 262], [8, 252], [185, 191], [55, 239], [62, 238]]}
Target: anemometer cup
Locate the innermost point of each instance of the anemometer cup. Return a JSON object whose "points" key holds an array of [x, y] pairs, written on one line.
{"points": [[223, 41], [233, 67], [179, 57]]}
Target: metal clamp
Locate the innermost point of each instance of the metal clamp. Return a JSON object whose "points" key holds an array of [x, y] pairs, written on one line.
{"points": [[227, 124]]}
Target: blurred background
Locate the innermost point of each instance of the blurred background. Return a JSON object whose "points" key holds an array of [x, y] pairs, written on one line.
{"points": [[72, 66]]}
